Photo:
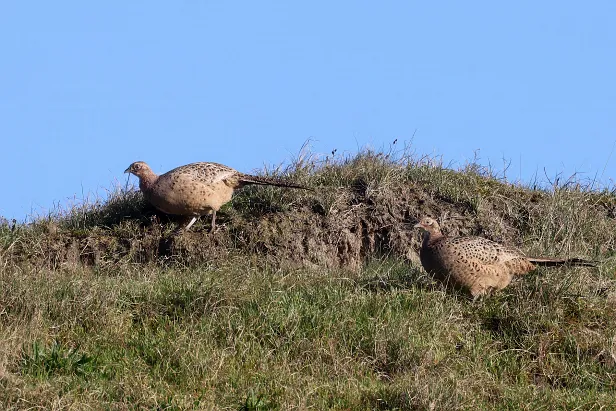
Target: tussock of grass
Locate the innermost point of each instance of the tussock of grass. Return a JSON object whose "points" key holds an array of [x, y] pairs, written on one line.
{"points": [[310, 299]]}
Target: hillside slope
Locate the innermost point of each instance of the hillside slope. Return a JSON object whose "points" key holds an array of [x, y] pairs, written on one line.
{"points": [[310, 299], [362, 206]]}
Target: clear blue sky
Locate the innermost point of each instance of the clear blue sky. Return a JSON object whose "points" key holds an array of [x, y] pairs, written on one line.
{"points": [[86, 88]]}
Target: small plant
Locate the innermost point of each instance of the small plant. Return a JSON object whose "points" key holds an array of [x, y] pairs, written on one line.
{"points": [[42, 362], [255, 402]]}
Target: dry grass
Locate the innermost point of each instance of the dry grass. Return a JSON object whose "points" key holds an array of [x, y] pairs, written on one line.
{"points": [[310, 300]]}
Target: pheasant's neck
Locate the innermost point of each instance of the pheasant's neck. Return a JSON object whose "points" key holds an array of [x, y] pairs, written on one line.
{"points": [[431, 237], [146, 181]]}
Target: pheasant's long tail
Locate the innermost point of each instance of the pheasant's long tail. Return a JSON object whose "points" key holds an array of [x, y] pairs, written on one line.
{"points": [[268, 181], [552, 262]]}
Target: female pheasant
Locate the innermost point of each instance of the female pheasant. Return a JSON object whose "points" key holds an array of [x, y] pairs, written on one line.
{"points": [[476, 263], [195, 189]]}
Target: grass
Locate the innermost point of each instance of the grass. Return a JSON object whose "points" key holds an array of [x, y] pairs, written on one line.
{"points": [[310, 300]]}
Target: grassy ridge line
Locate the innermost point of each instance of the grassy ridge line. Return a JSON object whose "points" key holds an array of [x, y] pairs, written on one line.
{"points": [[238, 328], [371, 198]]}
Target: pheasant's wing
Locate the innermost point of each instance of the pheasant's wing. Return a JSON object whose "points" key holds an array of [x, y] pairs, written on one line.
{"points": [[205, 173], [481, 250]]}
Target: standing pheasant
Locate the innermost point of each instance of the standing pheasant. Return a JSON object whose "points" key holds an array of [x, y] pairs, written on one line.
{"points": [[476, 263], [195, 189]]}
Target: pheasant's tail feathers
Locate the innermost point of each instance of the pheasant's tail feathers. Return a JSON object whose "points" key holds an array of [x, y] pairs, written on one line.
{"points": [[551, 262], [268, 181]]}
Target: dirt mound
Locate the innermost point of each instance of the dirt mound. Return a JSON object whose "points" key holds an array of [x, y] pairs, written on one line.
{"points": [[360, 224], [365, 214]]}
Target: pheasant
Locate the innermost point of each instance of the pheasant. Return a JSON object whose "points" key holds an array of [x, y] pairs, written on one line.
{"points": [[195, 189], [475, 263]]}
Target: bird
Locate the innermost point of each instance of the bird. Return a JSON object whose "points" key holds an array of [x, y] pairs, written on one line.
{"points": [[195, 189], [475, 263]]}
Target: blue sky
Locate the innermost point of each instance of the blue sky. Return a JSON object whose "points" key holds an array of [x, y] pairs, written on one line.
{"points": [[86, 88]]}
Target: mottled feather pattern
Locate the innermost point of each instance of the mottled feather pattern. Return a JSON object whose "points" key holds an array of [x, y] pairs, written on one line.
{"points": [[195, 189], [206, 173], [476, 263]]}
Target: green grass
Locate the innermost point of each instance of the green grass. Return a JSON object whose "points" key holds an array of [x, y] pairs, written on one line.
{"points": [[238, 336], [310, 300]]}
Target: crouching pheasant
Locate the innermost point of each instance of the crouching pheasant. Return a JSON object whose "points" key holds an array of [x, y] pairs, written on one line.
{"points": [[475, 263]]}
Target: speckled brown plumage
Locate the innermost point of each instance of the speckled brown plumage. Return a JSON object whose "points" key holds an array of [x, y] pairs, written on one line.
{"points": [[476, 263], [195, 189]]}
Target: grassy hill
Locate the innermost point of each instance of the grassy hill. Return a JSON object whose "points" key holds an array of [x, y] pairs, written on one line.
{"points": [[311, 299]]}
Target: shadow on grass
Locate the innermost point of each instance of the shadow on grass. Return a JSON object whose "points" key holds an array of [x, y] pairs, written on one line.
{"points": [[407, 277]]}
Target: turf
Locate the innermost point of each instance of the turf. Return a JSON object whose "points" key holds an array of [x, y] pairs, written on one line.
{"points": [[311, 300]]}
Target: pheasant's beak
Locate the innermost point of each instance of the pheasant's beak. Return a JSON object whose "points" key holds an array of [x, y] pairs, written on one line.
{"points": [[418, 225], [127, 170]]}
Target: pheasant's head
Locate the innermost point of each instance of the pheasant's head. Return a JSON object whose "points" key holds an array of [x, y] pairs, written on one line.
{"points": [[145, 174], [139, 168], [429, 224]]}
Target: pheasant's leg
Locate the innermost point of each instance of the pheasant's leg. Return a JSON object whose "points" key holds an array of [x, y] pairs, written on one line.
{"points": [[190, 224], [213, 221]]}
